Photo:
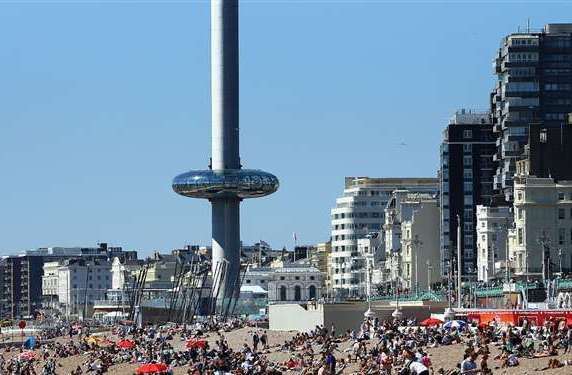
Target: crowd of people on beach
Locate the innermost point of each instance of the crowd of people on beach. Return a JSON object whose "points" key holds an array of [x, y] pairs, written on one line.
{"points": [[376, 347]]}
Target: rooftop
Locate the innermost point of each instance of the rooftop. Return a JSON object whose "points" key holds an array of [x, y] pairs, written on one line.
{"points": [[391, 181]]}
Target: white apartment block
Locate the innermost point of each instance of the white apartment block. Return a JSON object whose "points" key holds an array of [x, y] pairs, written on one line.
{"points": [[358, 212], [542, 214], [79, 283], [420, 255], [493, 224]]}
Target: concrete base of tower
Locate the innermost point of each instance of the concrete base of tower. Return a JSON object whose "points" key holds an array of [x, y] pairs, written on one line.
{"points": [[225, 249]]}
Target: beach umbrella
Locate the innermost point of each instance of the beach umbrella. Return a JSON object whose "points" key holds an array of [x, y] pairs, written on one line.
{"points": [[27, 356], [454, 324], [126, 344], [152, 368], [429, 322], [196, 344]]}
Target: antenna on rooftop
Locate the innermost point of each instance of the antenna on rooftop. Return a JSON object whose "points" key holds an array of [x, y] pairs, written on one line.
{"points": [[528, 25]]}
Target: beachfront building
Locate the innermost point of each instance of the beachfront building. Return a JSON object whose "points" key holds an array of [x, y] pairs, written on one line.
{"points": [[466, 180], [291, 283], [493, 226], [543, 227], [360, 211], [400, 209], [371, 250], [420, 245], [533, 69], [80, 283]]}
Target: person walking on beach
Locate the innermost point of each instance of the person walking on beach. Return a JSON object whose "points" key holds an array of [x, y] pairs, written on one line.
{"points": [[264, 340], [255, 340]]}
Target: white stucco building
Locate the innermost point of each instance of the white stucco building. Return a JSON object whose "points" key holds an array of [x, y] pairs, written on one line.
{"points": [[543, 219], [76, 283], [493, 224], [291, 283], [358, 212], [400, 210], [420, 245]]}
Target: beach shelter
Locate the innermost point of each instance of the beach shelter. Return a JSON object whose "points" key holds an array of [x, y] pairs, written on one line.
{"points": [[430, 322], [126, 344], [152, 368]]}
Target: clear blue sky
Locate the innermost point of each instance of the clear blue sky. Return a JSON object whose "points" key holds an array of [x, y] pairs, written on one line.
{"points": [[103, 104]]}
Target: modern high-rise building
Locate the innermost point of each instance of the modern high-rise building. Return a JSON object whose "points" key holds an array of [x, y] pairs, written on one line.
{"points": [[466, 178], [358, 212], [534, 70]]}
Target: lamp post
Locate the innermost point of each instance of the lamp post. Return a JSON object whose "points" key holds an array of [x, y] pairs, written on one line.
{"points": [[507, 265], [416, 245], [429, 271], [449, 312], [397, 314], [459, 263], [560, 260], [544, 242]]}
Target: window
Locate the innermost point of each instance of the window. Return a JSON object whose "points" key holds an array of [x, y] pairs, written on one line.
{"points": [[282, 278], [248, 281], [560, 196], [283, 292], [467, 134], [519, 235], [312, 292], [297, 277], [561, 214], [561, 236], [297, 293], [312, 277], [467, 160]]}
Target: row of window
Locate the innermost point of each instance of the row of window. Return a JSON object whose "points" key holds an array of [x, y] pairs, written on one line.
{"points": [[523, 42], [562, 240], [558, 86], [522, 56], [555, 116], [262, 281], [369, 226], [360, 215], [297, 293], [344, 248]]}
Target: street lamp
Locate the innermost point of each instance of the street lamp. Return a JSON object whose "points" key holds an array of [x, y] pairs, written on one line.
{"points": [[449, 312], [429, 271], [397, 314]]}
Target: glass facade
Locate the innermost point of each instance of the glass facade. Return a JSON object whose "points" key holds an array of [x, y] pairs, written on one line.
{"points": [[241, 183]]}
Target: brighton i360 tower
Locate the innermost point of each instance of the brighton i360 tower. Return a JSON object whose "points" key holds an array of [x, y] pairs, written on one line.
{"points": [[225, 184]]}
